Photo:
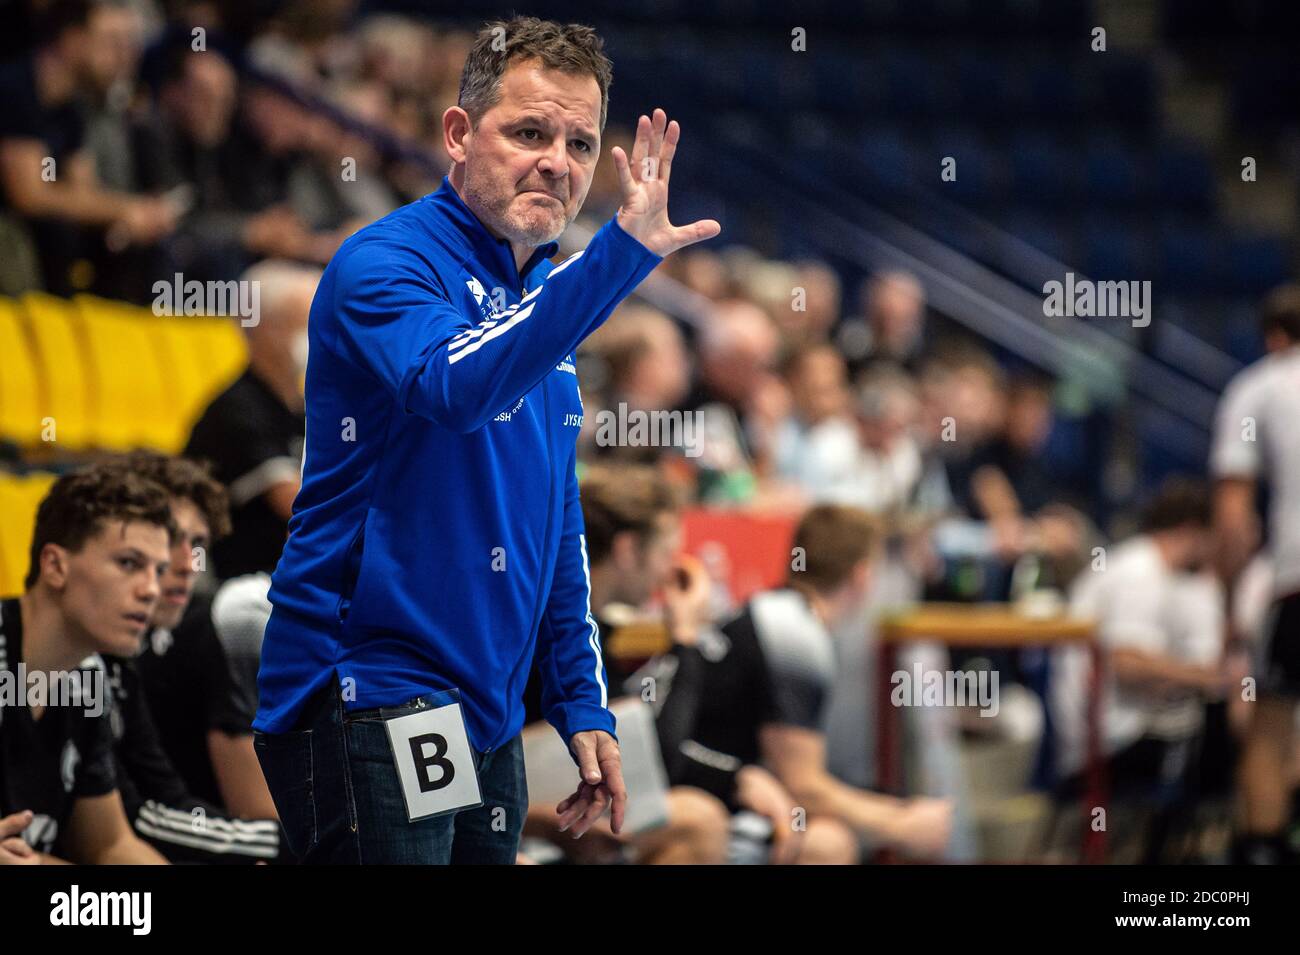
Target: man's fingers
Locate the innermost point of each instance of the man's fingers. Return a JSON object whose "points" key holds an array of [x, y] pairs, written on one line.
{"points": [[612, 766], [573, 807], [657, 126], [699, 231], [584, 749], [600, 799], [625, 180], [16, 846], [669, 150], [785, 843], [641, 145], [15, 823]]}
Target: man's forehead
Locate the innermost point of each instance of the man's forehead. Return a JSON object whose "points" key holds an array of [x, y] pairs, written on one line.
{"points": [[529, 84], [189, 516], [143, 535]]}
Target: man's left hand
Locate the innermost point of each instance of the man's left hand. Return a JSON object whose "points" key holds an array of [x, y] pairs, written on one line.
{"points": [[600, 768]]}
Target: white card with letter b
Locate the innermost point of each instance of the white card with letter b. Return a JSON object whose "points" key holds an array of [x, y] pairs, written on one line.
{"points": [[434, 761]]}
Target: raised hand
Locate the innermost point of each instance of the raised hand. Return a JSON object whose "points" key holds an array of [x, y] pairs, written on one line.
{"points": [[644, 181]]}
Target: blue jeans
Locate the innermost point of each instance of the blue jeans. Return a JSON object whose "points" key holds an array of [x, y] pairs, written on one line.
{"points": [[340, 801]]}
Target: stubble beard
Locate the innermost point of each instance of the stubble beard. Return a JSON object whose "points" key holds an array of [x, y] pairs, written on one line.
{"points": [[495, 210]]}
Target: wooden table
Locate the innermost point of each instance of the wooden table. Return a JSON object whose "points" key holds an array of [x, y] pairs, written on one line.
{"points": [[990, 625]]}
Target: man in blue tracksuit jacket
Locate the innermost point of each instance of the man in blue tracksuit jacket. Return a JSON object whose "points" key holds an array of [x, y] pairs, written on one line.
{"points": [[437, 544]]}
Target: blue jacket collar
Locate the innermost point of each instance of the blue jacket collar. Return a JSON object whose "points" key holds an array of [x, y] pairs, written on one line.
{"points": [[495, 253]]}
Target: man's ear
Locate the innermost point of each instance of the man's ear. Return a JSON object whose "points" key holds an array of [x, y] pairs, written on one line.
{"points": [[54, 566], [456, 130]]}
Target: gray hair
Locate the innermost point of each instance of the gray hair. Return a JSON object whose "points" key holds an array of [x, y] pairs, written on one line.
{"points": [[569, 48]]}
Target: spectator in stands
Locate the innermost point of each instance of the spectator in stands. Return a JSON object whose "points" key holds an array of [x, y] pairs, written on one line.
{"points": [[1011, 475], [964, 392], [184, 144], [647, 363], [346, 170], [163, 809], [891, 327], [884, 475], [767, 685], [738, 350], [100, 550], [202, 712], [252, 433], [47, 178], [704, 272], [1157, 673], [633, 541], [817, 445], [271, 147], [116, 40], [646, 368], [812, 307]]}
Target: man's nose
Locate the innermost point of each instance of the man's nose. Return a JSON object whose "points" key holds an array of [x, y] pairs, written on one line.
{"points": [[151, 588], [555, 161]]}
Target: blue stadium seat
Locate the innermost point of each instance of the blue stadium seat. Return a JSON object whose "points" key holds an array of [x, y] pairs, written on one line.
{"points": [[1044, 168], [1113, 173], [912, 82], [1256, 263], [1191, 257], [1043, 231], [1125, 87], [984, 86], [1182, 177], [1115, 250], [1053, 94], [980, 180], [888, 155]]}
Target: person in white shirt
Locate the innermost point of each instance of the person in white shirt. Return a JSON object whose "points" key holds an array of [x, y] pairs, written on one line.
{"points": [[873, 462], [817, 444], [1159, 667], [1257, 439]]}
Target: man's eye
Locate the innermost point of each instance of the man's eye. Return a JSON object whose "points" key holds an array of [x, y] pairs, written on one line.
{"points": [[128, 563], [582, 145], [530, 134]]}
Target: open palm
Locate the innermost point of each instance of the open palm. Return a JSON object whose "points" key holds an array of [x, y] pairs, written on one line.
{"points": [[643, 179]]}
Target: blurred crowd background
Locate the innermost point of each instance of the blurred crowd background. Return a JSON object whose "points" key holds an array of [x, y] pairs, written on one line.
{"points": [[864, 332]]}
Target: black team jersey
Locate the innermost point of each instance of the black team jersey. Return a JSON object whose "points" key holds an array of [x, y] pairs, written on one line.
{"points": [[47, 764], [185, 677], [160, 807]]}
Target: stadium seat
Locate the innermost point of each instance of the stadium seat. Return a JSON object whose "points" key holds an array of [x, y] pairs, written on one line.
{"points": [[1044, 170], [111, 376], [20, 380], [1191, 256], [1113, 171], [1256, 263], [207, 354], [1115, 250], [19, 499], [61, 358], [1184, 176], [131, 408]]}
